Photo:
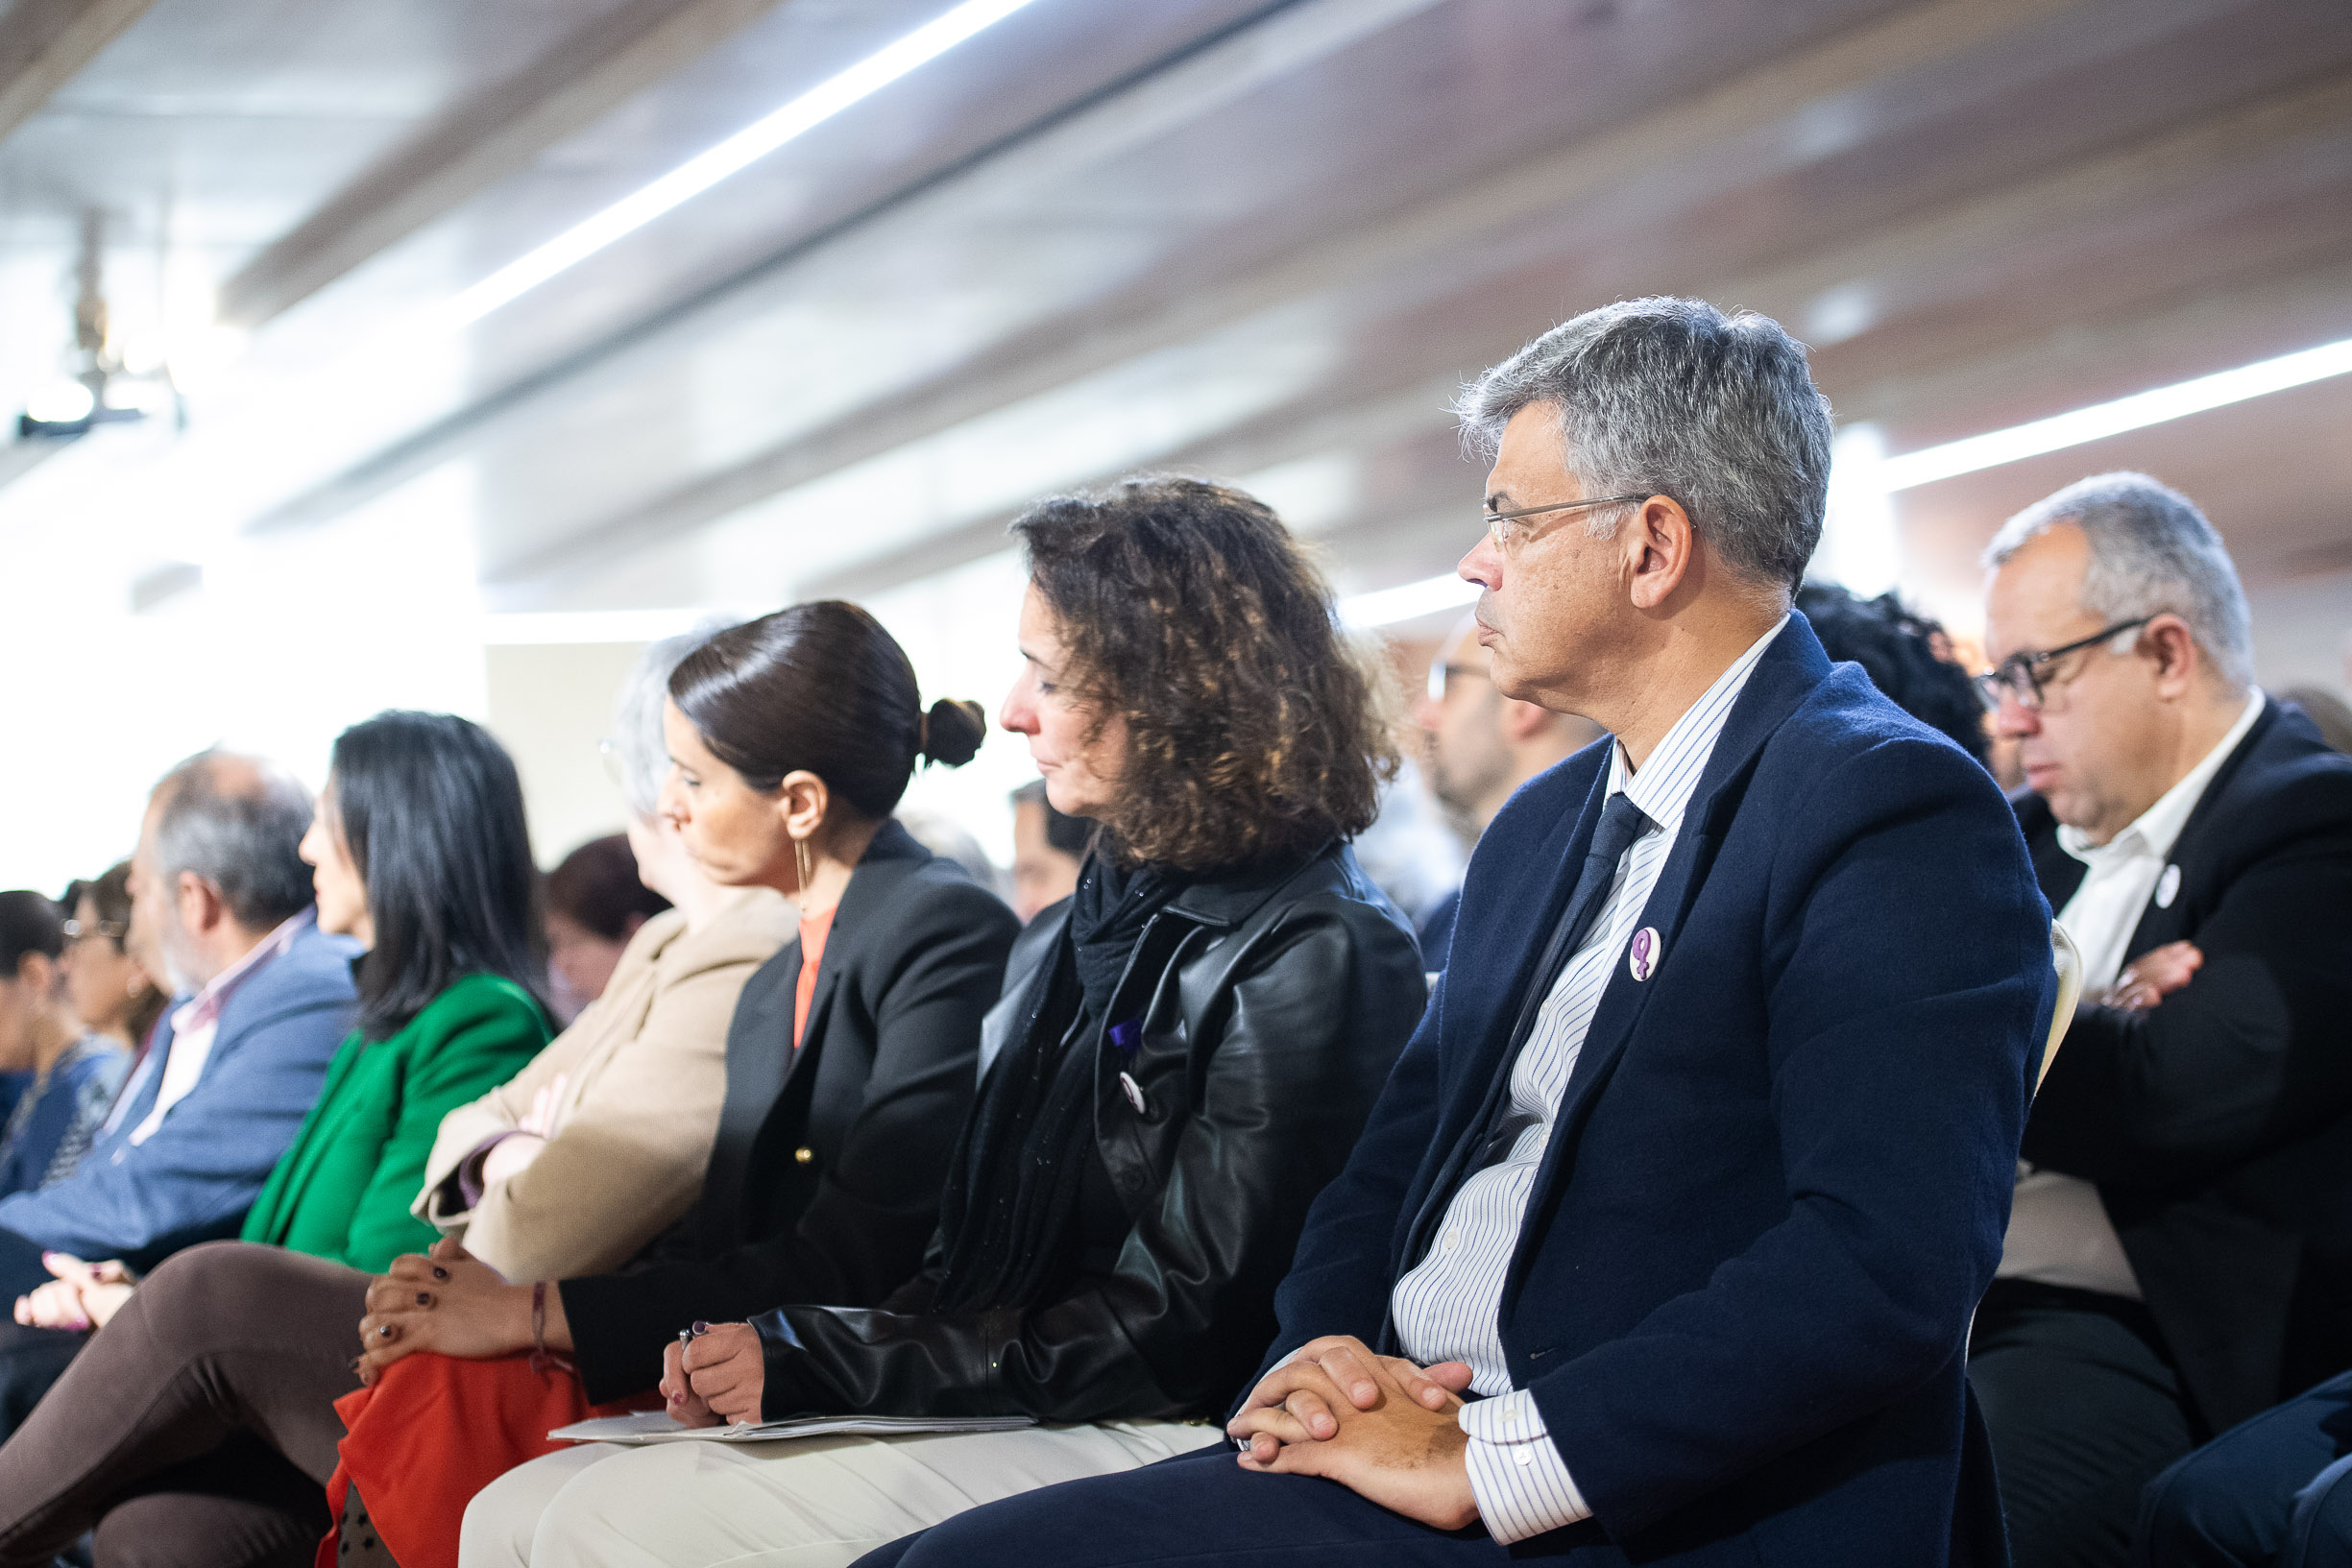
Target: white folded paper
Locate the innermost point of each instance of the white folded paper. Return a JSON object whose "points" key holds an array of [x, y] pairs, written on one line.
{"points": [[657, 1427]]}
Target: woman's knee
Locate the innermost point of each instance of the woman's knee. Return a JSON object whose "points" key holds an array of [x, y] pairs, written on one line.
{"points": [[224, 1278]]}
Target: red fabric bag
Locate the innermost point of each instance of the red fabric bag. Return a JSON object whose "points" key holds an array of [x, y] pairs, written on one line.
{"points": [[434, 1430]]}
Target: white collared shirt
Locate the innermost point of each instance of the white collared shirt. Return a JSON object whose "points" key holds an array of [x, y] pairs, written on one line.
{"points": [[1447, 1307], [194, 1026], [2059, 1232]]}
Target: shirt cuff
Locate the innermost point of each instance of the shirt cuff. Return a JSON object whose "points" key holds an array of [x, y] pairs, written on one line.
{"points": [[1516, 1475]]}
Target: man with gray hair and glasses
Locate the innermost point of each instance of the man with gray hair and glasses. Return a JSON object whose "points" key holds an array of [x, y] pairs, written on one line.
{"points": [[1698, 1162], [2179, 1256], [262, 999]]}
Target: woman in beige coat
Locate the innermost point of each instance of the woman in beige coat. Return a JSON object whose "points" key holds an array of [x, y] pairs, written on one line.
{"points": [[572, 1166]]}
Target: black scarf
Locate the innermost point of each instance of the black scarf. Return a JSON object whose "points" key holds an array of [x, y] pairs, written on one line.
{"points": [[1012, 1196]]}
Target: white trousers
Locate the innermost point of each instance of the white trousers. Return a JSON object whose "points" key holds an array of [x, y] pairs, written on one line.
{"points": [[819, 1502]]}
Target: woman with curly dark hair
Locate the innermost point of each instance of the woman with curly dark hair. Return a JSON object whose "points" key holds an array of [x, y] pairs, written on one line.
{"points": [[1186, 1051]]}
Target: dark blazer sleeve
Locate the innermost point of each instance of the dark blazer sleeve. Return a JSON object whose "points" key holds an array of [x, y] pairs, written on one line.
{"points": [[1283, 1096], [2245, 1057], [1899, 1016], [861, 1233]]}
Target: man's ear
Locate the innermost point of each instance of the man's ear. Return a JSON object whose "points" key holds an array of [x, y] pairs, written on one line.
{"points": [[200, 903], [2168, 641], [1659, 544]]}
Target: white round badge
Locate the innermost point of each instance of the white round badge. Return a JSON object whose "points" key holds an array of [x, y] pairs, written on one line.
{"points": [[2168, 887], [1643, 955]]}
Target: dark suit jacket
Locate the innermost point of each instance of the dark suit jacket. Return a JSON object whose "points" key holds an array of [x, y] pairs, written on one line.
{"points": [[2219, 1125], [824, 1182], [1782, 1166]]}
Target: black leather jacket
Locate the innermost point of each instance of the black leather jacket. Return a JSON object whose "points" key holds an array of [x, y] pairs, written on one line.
{"points": [[1273, 1008]]}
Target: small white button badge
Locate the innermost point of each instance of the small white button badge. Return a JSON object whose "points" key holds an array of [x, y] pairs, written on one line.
{"points": [[1134, 1093], [1642, 956], [2168, 887]]}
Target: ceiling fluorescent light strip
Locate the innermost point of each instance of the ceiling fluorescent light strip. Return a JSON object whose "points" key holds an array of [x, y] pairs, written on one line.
{"points": [[539, 628], [2111, 419], [1390, 605], [747, 146]]}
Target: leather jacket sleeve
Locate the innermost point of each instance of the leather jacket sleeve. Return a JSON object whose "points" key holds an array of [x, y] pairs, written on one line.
{"points": [[1310, 1017]]}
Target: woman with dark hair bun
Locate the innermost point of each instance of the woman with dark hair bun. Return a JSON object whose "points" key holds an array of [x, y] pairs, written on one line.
{"points": [[850, 1061], [1185, 1053]]}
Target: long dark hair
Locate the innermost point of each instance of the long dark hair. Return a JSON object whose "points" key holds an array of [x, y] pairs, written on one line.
{"points": [[431, 813], [822, 686]]}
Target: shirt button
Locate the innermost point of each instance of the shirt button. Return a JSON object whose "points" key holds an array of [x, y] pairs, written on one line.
{"points": [[1453, 1240], [1525, 1456]]}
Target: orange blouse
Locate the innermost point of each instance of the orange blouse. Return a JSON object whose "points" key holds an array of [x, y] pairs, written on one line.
{"points": [[813, 929]]}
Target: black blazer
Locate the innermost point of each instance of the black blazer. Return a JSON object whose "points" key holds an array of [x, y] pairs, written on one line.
{"points": [[824, 1180], [1271, 1007], [2219, 1123]]}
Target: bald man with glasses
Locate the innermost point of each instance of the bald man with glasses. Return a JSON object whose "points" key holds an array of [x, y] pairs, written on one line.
{"points": [[2179, 1251]]}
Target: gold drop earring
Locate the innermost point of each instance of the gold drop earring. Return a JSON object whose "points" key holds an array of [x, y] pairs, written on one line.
{"points": [[803, 863]]}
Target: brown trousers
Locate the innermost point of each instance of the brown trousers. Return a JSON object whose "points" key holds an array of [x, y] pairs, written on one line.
{"points": [[197, 1430]]}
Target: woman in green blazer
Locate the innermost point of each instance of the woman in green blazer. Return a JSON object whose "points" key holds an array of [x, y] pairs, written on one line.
{"points": [[344, 1189], [418, 850]]}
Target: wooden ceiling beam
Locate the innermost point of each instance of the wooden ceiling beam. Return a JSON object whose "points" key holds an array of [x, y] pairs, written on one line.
{"points": [[45, 44]]}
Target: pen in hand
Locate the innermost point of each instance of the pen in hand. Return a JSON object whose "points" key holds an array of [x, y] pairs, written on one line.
{"points": [[678, 1386]]}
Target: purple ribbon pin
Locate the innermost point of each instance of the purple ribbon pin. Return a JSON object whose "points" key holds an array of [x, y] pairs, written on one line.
{"points": [[1643, 957]]}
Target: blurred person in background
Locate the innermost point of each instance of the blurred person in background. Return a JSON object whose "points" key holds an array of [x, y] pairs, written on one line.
{"points": [[2179, 1255], [2330, 715], [1906, 656], [420, 855], [76, 1066], [113, 991], [1411, 852], [595, 901], [1048, 848], [1481, 747], [220, 900]]}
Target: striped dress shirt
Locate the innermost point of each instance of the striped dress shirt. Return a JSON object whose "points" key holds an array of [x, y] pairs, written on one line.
{"points": [[1447, 1307]]}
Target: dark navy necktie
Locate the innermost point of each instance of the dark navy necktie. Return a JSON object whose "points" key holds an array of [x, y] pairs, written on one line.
{"points": [[1622, 823]]}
